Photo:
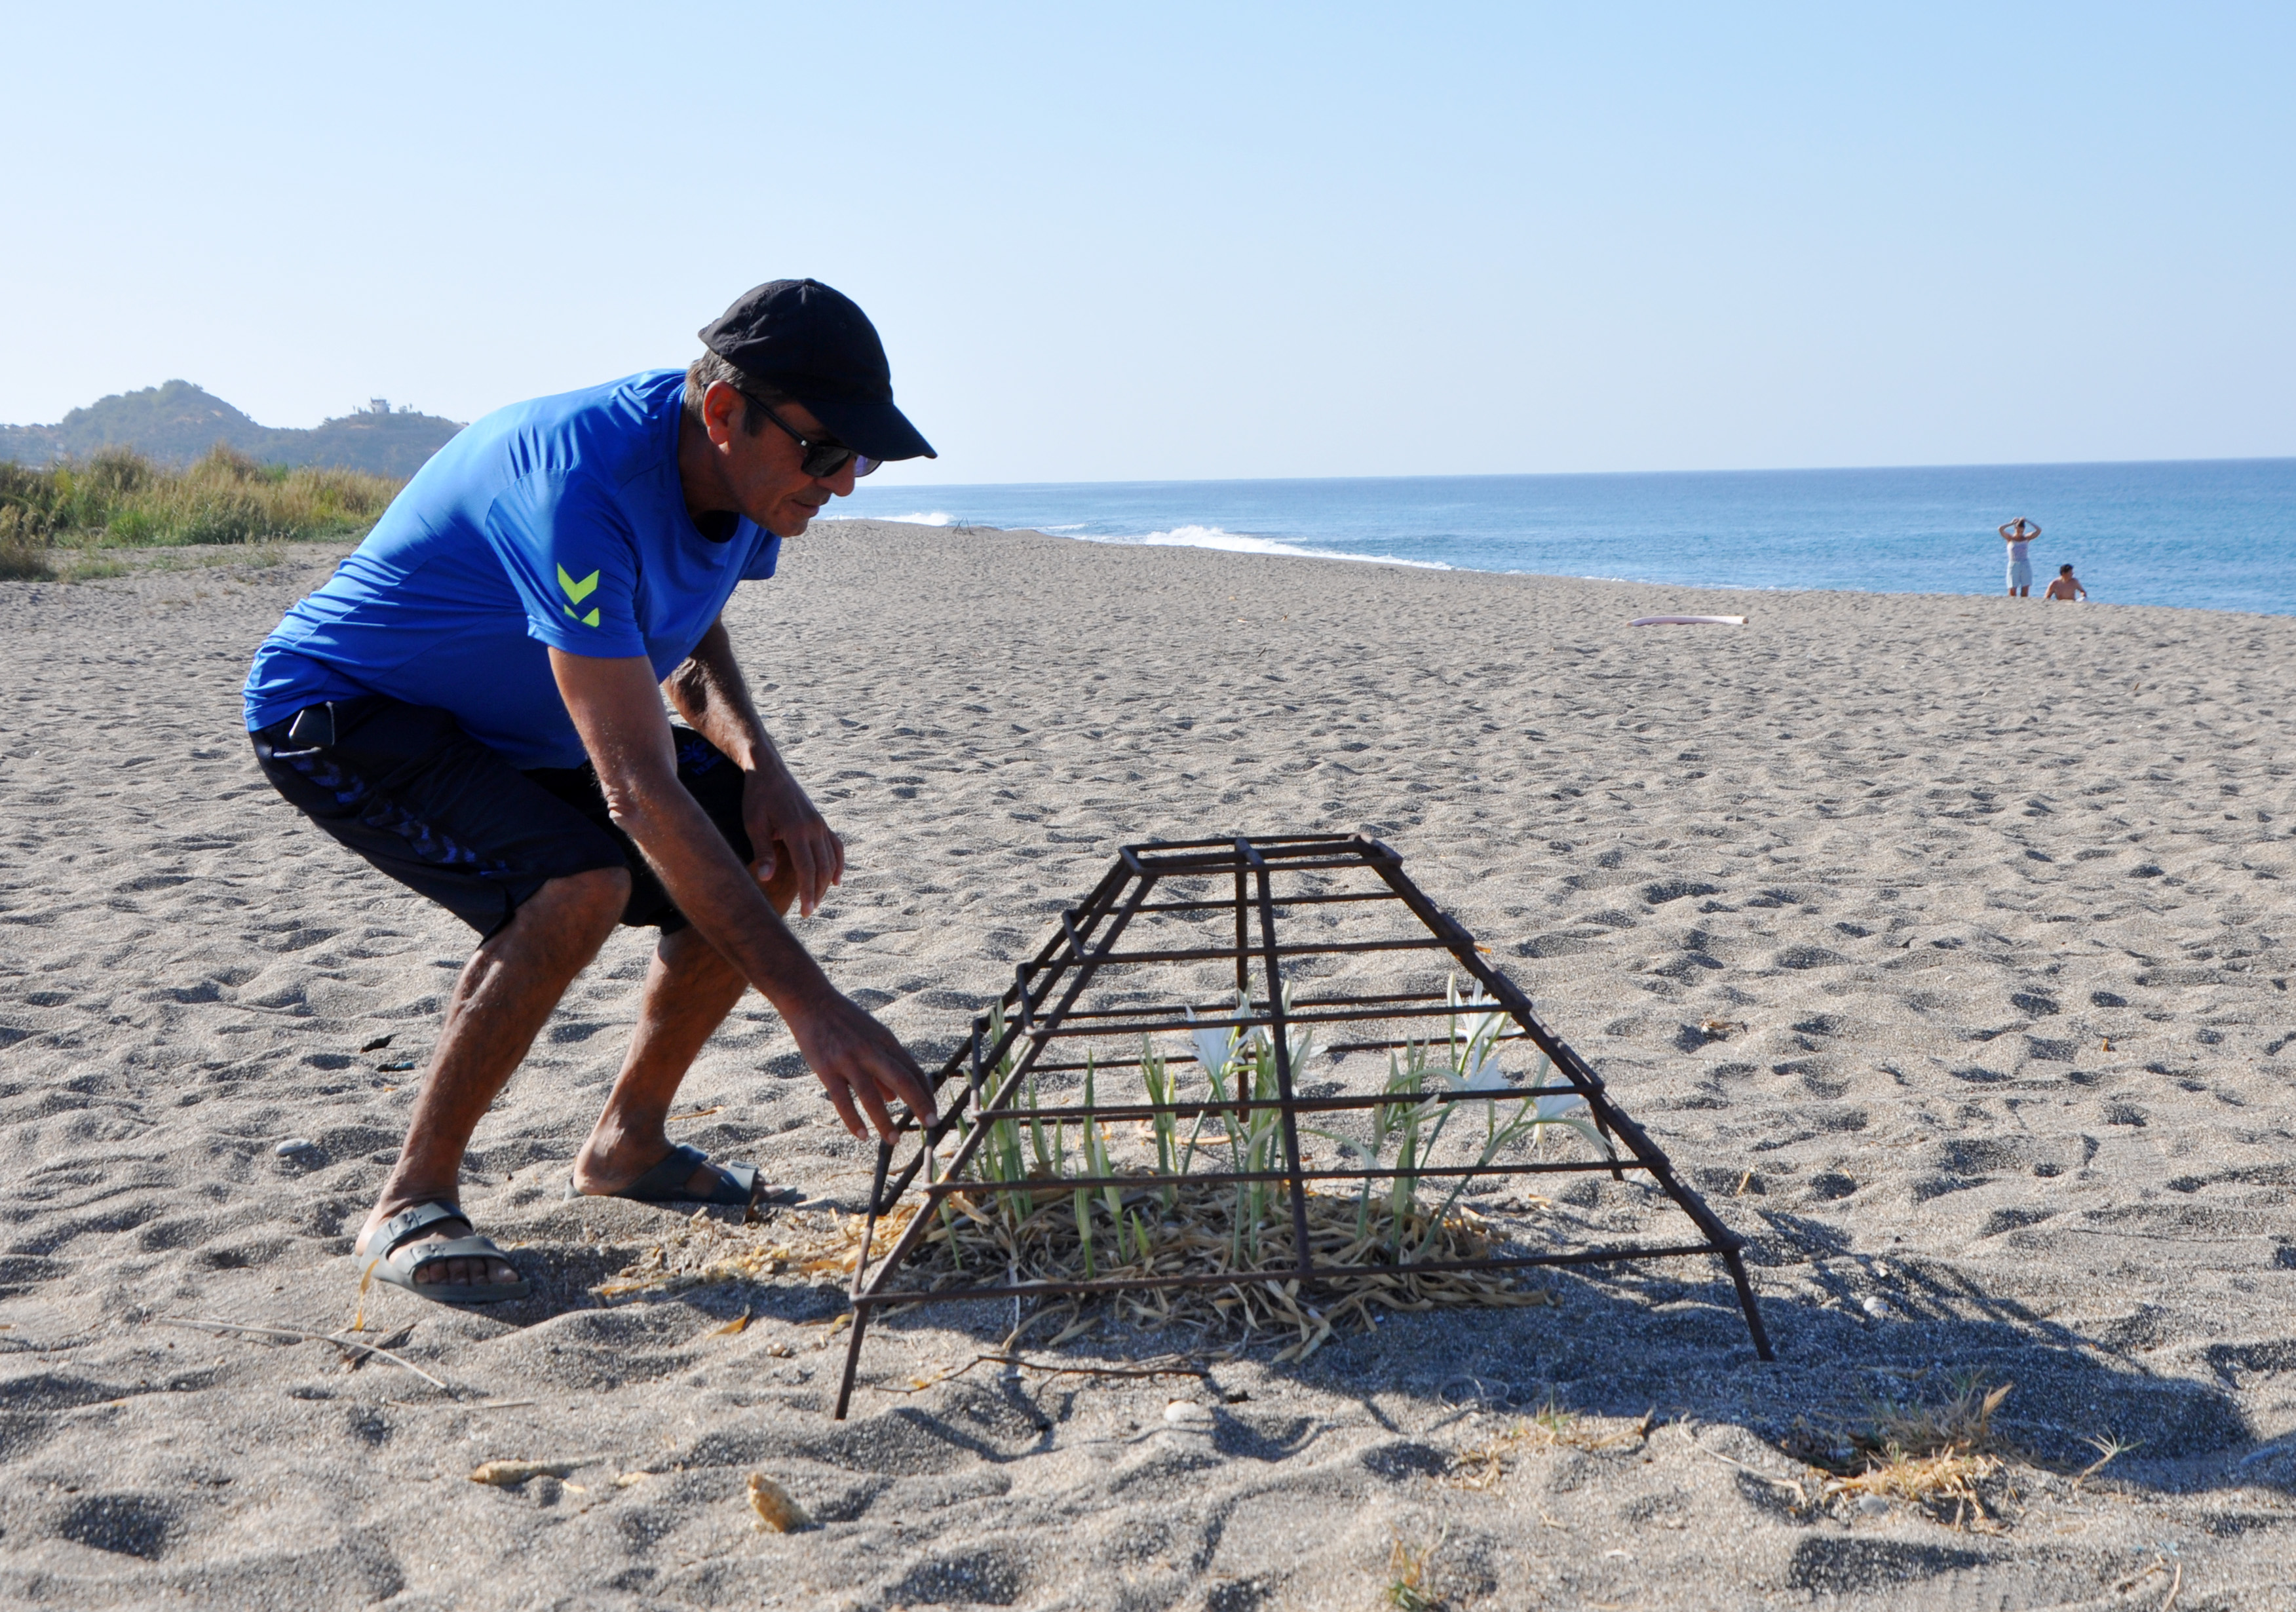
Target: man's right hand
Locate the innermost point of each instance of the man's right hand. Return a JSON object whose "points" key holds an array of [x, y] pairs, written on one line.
{"points": [[860, 1064]]}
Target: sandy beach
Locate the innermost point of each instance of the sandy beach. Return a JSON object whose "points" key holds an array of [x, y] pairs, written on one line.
{"points": [[1943, 942]]}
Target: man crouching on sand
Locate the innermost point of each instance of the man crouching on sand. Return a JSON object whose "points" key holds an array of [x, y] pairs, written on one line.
{"points": [[474, 704]]}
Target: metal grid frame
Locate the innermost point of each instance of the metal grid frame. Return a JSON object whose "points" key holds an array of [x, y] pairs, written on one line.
{"points": [[1040, 1009]]}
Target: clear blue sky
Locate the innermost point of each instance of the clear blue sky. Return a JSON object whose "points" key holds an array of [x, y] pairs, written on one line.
{"points": [[1184, 241]]}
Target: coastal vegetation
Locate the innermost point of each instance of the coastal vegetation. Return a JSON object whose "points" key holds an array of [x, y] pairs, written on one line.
{"points": [[118, 499], [1145, 1215], [175, 424]]}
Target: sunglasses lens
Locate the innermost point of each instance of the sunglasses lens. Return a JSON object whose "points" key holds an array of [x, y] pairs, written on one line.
{"points": [[863, 464], [826, 461]]}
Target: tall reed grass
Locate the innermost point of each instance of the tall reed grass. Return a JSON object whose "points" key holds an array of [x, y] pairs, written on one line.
{"points": [[119, 497]]}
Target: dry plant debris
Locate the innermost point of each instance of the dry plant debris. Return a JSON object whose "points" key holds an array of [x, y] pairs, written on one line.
{"points": [[1180, 1228], [507, 1474], [352, 1349], [775, 1508], [2107, 1451], [2160, 1563], [1410, 1581], [1485, 1466], [1941, 1459], [1191, 1234], [1170, 1366], [815, 1246]]}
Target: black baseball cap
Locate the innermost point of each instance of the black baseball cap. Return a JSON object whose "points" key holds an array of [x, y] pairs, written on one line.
{"points": [[816, 344]]}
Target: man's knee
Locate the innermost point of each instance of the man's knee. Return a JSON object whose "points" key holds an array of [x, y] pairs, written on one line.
{"points": [[689, 957], [589, 903]]}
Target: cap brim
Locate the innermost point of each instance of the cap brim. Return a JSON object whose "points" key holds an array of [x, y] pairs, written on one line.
{"points": [[877, 429]]}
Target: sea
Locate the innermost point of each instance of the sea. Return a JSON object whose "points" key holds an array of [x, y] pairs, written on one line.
{"points": [[2214, 534]]}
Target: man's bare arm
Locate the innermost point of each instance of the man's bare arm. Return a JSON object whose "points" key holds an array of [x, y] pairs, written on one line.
{"points": [[617, 710], [709, 691], [710, 694]]}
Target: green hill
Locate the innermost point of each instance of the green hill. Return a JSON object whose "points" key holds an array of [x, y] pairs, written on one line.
{"points": [[177, 423]]}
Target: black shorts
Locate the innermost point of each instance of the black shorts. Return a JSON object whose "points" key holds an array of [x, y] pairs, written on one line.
{"points": [[407, 789]]}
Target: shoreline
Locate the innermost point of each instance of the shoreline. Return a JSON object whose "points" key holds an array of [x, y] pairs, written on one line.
{"points": [[1276, 550], [2211, 535], [240, 561]]}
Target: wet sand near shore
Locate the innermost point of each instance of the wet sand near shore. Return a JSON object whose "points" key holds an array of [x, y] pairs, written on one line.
{"points": [[1944, 944]]}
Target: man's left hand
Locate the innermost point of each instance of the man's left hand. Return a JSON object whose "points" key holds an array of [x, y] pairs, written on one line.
{"points": [[783, 823]]}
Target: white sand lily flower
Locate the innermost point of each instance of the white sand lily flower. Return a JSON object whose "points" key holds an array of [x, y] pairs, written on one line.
{"points": [[1298, 1044], [1477, 1023], [1481, 1018], [1214, 1046], [1485, 1077], [1568, 1109]]}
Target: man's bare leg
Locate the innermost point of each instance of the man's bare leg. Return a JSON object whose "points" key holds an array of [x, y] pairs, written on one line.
{"points": [[689, 991], [504, 994]]}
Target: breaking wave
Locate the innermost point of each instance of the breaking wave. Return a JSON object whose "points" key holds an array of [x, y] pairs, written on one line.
{"points": [[937, 517], [1213, 537]]}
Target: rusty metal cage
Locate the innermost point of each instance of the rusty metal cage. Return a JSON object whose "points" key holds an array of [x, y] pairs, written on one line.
{"points": [[1286, 913]]}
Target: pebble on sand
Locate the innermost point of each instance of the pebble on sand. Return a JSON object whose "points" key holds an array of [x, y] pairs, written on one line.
{"points": [[776, 1507]]}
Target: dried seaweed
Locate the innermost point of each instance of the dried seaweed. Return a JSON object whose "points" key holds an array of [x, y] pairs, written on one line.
{"points": [[1176, 1227]]}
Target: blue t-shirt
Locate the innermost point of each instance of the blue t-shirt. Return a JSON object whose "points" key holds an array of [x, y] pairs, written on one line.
{"points": [[559, 523]]}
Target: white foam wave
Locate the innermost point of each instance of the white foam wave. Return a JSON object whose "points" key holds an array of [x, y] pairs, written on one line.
{"points": [[1213, 537], [937, 517], [1178, 537]]}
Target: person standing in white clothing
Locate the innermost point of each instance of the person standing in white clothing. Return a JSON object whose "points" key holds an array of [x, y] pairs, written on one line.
{"points": [[2018, 534]]}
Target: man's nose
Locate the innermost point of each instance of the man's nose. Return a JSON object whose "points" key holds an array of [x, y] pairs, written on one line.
{"points": [[841, 483]]}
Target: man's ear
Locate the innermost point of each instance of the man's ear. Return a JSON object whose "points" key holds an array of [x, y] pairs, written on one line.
{"points": [[721, 412]]}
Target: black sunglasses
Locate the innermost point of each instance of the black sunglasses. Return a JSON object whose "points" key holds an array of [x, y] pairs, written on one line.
{"points": [[821, 459]]}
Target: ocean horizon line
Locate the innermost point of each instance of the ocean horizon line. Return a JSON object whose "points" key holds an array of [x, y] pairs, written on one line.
{"points": [[1527, 475]]}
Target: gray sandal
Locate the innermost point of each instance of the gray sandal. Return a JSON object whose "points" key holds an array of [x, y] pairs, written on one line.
{"points": [[739, 1186], [401, 1257]]}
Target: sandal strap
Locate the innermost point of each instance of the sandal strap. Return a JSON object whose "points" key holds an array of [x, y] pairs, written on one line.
{"points": [[668, 1178], [746, 1181], [409, 1222], [737, 1186], [474, 1246]]}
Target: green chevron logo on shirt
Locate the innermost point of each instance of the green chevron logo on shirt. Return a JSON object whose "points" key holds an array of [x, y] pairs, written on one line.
{"points": [[577, 592]]}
